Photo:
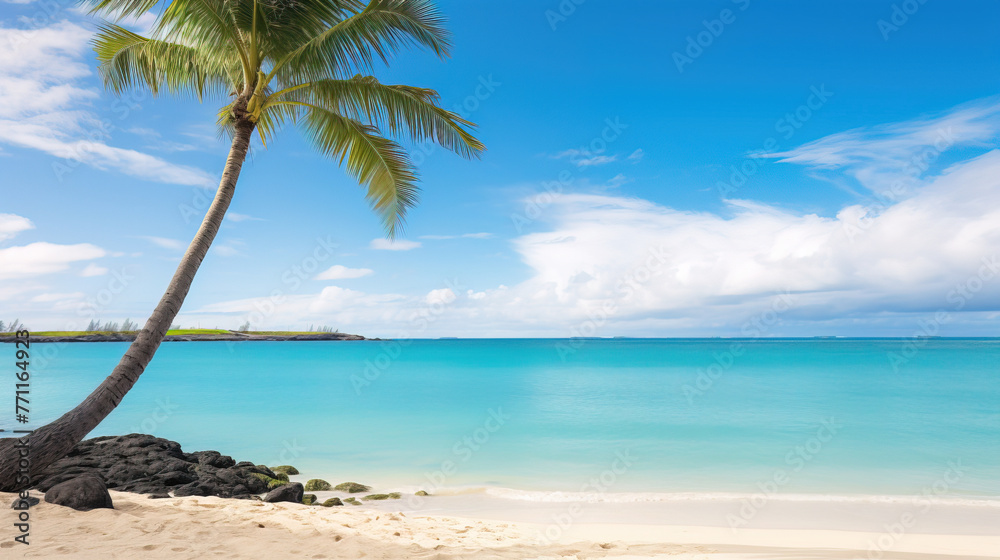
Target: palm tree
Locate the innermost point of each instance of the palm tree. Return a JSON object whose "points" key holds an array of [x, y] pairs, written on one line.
{"points": [[272, 62]]}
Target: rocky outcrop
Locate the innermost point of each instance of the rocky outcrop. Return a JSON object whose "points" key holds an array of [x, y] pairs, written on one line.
{"points": [[288, 493], [317, 485], [82, 493], [24, 503], [151, 465], [352, 487]]}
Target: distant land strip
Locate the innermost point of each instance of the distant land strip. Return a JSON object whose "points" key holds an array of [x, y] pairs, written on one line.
{"points": [[186, 335]]}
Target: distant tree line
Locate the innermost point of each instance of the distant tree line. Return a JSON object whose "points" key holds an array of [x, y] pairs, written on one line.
{"points": [[126, 326], [129, 326]]}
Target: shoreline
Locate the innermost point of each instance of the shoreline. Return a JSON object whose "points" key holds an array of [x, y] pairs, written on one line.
{"points": [[211, 527], [188, 520], [730, 513]]}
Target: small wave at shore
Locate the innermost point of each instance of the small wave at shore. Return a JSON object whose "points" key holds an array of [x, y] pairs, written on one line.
{"points": [[640, 497]]}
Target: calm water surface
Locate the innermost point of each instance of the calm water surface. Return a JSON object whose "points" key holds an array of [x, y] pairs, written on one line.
{"points": [[824, 416]]}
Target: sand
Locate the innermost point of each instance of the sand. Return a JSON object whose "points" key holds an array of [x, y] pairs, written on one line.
{"points": [[195, 527]]}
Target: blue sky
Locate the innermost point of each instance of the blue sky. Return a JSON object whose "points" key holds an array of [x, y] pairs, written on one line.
{"points": [[609, 202]]}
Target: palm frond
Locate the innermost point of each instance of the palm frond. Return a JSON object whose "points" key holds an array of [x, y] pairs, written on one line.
{"points": [[209, 24], [128, 60], [376, 162], [380, 29], [273, 119], [119, 9], [395, 109]]}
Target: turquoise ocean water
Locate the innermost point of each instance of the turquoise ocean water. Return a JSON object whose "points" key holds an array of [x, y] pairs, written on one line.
{"points": [[802, 416]]}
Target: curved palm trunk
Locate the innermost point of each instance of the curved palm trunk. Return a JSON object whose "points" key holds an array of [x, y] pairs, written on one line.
{"points": [[54, 441]]}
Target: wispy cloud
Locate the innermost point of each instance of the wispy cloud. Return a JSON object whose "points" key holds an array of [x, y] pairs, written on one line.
{"points": [[582, 158], [340, 272], [35, 259], [56, 296], [12, 224], [892, 159], [636, 156], [381, 244], [237, 217], [43, 106], [711, 271], [226, 250], [93, 270], [173, 244], [617, 181], [41, 258]]}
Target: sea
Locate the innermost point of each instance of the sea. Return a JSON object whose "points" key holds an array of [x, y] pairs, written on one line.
{"points": [[831, 420]]}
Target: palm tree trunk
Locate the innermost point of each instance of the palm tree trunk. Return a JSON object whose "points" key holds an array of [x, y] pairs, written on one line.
{"points": [[54, 441]]}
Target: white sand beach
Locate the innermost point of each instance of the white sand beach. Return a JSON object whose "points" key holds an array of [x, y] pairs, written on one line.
{"points": [[199, 527]]}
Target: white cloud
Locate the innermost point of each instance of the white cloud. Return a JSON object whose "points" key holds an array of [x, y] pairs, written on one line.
{"points": [[393, 245], [164, 242], [237, 217], [12, 224], [43, 106], [617, 181], [667, 271], [93, 270], [442, 296], [340, 272], [51, 297], [631, 266], [43, 258], [891, 159], [636, 156], [224, 250]]}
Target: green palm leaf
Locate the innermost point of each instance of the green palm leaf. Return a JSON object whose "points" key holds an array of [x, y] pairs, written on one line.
{"points": [[382, 28], [376, 162], [396, 109], [278, 62], [130, 61]]}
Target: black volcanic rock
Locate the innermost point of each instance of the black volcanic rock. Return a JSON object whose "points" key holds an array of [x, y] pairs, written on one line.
{"points": [[83, 493], [288, 493], [150, 465]]}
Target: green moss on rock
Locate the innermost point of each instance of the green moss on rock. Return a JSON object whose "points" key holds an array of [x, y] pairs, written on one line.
{"points": [[287, 469], [309, 499], [333, 502], [317, 485], [352, 487], [389, 496], [421, 493], [352, 501], [272, 483]]}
